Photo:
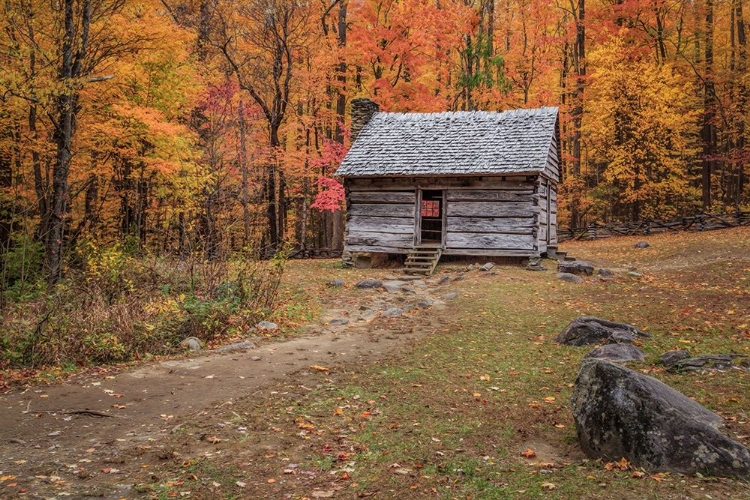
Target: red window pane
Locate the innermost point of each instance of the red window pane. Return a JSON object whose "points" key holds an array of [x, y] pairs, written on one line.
{"points": [[430, 208]]}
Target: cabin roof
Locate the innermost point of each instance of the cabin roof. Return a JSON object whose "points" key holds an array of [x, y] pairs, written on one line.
{"points": [[452, 143]]}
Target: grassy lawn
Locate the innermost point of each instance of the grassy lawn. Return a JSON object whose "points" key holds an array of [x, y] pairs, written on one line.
{"points": [[479, 407]]}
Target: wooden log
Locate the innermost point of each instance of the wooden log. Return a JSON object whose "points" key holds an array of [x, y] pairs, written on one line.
{"points": [[377, 249], [511, 225], [489, 195], [382, 210], [403, 225], [490, 241], [492, 252], [382, 197], [390, 240], [491, 209]]}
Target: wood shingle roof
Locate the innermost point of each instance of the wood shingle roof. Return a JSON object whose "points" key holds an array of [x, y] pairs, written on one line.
{"points": [[452, 143]]}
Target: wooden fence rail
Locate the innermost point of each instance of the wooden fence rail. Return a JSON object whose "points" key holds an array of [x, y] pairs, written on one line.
{"points": [[699, 222]]}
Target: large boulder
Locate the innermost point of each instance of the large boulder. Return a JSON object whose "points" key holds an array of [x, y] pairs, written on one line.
{"points": [[619, 353], [621, 413], [589, 330], [578, 267]]}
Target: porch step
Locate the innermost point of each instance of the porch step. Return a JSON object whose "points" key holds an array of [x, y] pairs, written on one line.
{"points": [[422, 261]]}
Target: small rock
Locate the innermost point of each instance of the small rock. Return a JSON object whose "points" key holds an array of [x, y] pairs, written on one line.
{"points": [[620, 353], [642, 244], [425, 303], [393, 286], [570, 278], [669, 358], [576, 267], [450, 296], [459, 277], [389, 277], [337, 283], [634, 274], [267, 326], [443, 279], [393, 312], [338, 321], [487, 267], [369, 284], [408, 289], [605, 272], [256, 358], [236, 346], [192, 343]]}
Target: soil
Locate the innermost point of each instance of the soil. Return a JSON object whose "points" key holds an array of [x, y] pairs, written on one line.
{"points": [[87, 437]]}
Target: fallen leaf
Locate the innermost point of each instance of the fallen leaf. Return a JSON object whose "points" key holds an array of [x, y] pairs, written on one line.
{"points": [[271, 481], [549, 486], [320, 368], [240, 484], [528, 453], [323, 494]]}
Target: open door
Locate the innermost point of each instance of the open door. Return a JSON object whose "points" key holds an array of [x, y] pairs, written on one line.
{"points": [[431, 218]]}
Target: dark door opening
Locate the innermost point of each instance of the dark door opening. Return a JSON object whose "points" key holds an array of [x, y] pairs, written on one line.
{"points": [[431, 217]]}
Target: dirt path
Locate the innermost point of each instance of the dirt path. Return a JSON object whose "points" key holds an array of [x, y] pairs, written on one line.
{"points": [[66, 440]]}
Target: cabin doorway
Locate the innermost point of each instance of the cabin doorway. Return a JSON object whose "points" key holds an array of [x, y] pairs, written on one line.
{"points": [[431, 218]]}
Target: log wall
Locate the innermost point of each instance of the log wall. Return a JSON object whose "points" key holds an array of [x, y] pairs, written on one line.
{"points": [[491, 216], [379, 220]]}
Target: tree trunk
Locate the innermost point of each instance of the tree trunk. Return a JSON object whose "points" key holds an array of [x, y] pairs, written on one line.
{"points": [[708, 132], [244, 195]]}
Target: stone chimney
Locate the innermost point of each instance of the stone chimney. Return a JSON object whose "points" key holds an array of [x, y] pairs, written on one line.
{"points": [[362, 111]]}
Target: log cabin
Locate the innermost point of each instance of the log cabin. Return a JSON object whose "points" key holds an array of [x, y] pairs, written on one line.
{"points": [[454, 183]]}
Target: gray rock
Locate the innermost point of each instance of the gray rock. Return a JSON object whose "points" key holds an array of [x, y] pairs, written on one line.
{"points": [[620, 353], [237, 346], [393, 286], [369, 284], [578, 267], [642, 244], [705, 362], [267, 326], [425, 303], [619, 413], [669, 358], [605, 272], [449, 296], [256, 358], [459, 277], [337, 283], [408, 289], [634, 274], [443, 279], [389, 277], [192, 343], [570, 278], [393, 312], [535, 264], [487, 267], [587, 330], [338, 321]]}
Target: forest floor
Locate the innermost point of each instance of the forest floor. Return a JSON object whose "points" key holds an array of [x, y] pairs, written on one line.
{"points": [[463, 397]]}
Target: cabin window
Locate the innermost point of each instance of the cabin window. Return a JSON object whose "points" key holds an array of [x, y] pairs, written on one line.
{"points": [[430, 208]]}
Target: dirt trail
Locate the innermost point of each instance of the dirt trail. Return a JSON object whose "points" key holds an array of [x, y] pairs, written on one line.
{"points": [[56, 441]]}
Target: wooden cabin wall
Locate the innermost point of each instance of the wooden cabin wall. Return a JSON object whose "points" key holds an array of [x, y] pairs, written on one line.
{"points": [[379, 220], [498, 221], [553, 213], [483, 215]]}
